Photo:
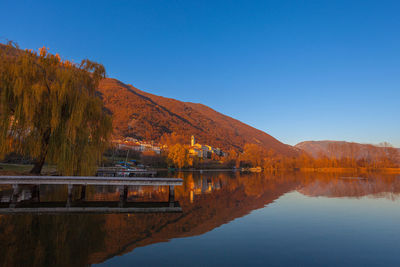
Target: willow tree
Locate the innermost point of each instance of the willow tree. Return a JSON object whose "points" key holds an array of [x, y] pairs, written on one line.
{"points": [[49, 110]]}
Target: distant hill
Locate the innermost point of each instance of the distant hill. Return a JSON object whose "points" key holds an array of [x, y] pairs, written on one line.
{"points": [[341, 149], [147, 116]]}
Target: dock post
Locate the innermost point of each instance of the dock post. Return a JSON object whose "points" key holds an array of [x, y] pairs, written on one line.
{"points": [[36, 193], [14, 197], [69, 200], [171, 196], [123, 194], [83, 193]]}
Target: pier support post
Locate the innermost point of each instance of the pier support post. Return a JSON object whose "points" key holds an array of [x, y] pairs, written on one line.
{"points": [[123, 195], [69, 200], [36, 193], [171, 196], [14, 196], [83, 193]]}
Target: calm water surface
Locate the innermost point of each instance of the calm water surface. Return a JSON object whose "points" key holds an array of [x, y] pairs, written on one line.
{"points": [[228, 219]]}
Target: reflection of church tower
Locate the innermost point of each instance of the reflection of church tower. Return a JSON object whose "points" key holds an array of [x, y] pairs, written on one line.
{"points": [[192, 141]]}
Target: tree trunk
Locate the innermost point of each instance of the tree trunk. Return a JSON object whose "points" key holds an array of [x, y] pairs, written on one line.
{"points": [[37, 167]]}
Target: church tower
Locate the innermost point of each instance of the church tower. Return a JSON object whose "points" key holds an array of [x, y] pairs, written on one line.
{"points": [[192, 141]]}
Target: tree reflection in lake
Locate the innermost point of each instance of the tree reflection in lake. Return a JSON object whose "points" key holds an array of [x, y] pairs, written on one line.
{"points": [[208, 200], [50, 240]]}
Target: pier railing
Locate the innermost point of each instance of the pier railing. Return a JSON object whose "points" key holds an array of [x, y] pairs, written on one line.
{"points": [[117, 171]]}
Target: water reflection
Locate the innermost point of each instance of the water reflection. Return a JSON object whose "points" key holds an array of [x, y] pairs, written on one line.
{"points": [[208, 200], [90, 199], [386, 187]]}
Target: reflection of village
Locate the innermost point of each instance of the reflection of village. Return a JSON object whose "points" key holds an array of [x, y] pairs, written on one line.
{"points": [[195, 149], [203, 185], [136, 193]]}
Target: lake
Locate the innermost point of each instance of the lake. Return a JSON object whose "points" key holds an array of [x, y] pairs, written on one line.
{"points": [[227, 219]]}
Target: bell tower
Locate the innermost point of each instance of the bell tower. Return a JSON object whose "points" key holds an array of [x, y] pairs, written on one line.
{"points": [[192, 142]]}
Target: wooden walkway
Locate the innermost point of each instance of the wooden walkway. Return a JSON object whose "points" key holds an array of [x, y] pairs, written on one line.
{"points": [[83, 206], [89, 180]]}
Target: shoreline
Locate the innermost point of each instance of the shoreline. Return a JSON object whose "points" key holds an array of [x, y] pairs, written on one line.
{"points": [[358, 170], [23, 169]]}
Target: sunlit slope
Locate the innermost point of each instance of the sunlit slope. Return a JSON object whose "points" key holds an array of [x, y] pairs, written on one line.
{"points": [[147, 116]]}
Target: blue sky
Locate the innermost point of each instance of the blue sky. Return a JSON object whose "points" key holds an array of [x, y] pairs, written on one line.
{"points": [[298, 70]]}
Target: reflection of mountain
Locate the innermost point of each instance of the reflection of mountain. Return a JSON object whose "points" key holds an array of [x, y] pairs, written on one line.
{"points": [[230, 199], [353, 187], [208, 200]]}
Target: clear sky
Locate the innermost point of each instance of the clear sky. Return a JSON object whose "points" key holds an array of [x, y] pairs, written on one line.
{"points": [[298, 70]]}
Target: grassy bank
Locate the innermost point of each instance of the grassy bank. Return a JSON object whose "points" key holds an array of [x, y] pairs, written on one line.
{"points": [[23, 169]]}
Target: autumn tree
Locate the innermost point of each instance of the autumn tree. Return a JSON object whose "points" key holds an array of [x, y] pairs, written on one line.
{"points": [[232, 159], [50, 112], [178, 156], [253, 154]]}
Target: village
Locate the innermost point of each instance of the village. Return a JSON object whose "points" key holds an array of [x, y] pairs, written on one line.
{"points": [[201, 151]]}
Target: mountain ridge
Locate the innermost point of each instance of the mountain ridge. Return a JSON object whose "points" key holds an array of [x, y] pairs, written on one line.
{"points": [[343, 149]]}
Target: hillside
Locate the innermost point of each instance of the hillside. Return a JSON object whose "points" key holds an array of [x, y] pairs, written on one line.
{"points": [[342, 149], [147, 116]]}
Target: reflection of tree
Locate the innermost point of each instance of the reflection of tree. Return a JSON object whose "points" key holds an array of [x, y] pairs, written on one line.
{"points": [[49, 240]]}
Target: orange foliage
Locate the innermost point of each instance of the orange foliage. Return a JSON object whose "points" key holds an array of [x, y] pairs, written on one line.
{"points": [[178, 156]]}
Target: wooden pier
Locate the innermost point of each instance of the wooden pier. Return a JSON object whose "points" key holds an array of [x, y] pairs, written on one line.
{"points": [[83, 206]]}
